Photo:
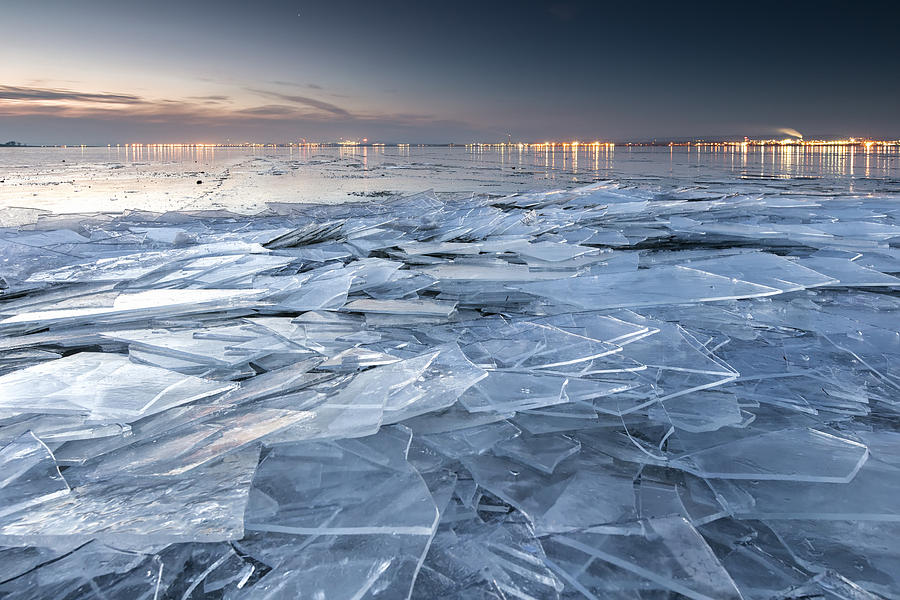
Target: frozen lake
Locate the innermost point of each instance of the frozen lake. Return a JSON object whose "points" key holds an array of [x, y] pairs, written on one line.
{"points": [[75, 179], [681, 383]]}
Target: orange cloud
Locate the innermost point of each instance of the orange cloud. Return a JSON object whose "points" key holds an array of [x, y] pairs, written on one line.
{"points": [[71, 104]]}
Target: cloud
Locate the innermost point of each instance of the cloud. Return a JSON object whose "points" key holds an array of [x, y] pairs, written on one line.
{"points": [[72, 103], [55, 115], [269, 110], [210, 98], [311, 86], [304, 101], [8, 92]]}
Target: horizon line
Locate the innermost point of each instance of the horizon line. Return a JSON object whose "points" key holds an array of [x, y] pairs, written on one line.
{"points": [[664, 142]]}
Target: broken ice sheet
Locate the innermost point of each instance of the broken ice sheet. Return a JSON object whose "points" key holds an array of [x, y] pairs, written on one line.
{"points": [[868, 496], [166, 235], [765, 269], [108, 388], [600, 327], [132, 266], [214, 345], [440, 248], [849, 273], [663, 493], [362, 486], [132, 306], [666, 551], [582, 492], [868, 550], [485, 271], [358, 407], [30, 474], [505, 391], [204, 505], [684, 367], [325, 290], [832, 585], [418, 307], [305, 234], [236, 407], [476, 439], [99, 570], [683, 352], [190, 447], [505, 559], [215, 271], [788, 454], [356, 358], [18, 561], [384, 395], [706, 410], [347, 565], [93, 566], [403, 284], [54, 429], [333, 566], [197, 350], [755, 381], [543, 251], [452, 418], [647, 287], [524, 345], [543, 452]]}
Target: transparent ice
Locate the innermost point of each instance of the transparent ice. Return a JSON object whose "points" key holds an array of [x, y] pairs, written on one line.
{"points": [[599, 392]]}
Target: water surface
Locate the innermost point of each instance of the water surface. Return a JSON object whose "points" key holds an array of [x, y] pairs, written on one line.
{"points": [[161, 178]]}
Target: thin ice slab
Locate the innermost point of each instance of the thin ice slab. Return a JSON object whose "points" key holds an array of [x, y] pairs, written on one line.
{"points": [[107, 388]]}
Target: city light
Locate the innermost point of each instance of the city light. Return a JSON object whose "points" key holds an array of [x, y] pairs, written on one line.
{"points": [[574, 145]]}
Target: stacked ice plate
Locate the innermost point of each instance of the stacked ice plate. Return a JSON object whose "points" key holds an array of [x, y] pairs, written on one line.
{"points": [[598, 393]]}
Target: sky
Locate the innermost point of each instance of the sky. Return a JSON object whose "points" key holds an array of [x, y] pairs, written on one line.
{"points": [[435, 71]]}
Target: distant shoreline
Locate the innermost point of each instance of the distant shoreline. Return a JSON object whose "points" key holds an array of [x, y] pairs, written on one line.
{"points": [[860, 143]]}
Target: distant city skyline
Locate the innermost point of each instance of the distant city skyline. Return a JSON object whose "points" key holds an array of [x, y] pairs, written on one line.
{"points": [[99, 71], [730, 142]]}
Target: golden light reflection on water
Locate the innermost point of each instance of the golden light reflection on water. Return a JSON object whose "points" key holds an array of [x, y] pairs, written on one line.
{"points": [[772, 161], [549, 158], [859, 168], [163, 153], [745, 161]]}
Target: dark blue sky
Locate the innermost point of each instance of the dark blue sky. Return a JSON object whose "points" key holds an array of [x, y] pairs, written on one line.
{"points": [[96, 71]]}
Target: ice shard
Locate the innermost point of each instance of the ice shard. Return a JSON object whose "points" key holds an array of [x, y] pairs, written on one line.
{"points": [[668, 552], [30, 474], [106, 387], [204, 505]]}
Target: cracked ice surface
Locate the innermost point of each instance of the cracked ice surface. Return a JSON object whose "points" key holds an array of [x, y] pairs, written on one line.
{"points": [[598, 393]]}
